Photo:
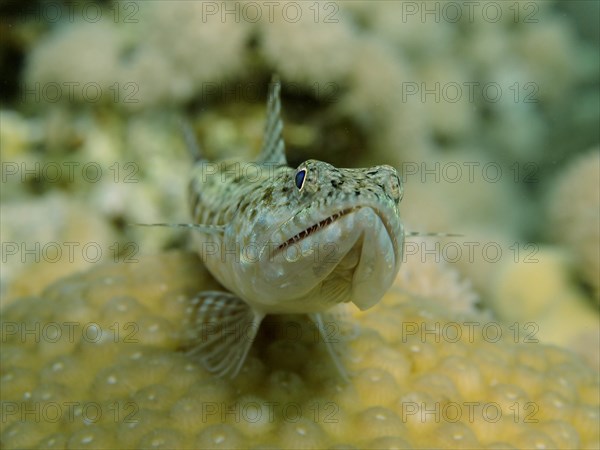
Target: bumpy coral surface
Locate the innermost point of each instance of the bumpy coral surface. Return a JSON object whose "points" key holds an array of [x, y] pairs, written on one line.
{"points": [[540, 292], [94, 362], [71, 237]]}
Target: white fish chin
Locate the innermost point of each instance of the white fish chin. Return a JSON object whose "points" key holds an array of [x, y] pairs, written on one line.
{"points": [[352, 258], [376, 268]]}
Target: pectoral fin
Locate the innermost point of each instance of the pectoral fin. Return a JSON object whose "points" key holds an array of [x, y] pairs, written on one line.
{"points": [[331, 336], [222, 328]]}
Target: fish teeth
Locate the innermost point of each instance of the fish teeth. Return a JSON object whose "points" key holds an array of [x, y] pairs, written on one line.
{"points": [[315, 227]]}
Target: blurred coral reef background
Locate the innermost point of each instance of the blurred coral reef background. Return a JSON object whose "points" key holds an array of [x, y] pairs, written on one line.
{"points": [[492, 117]]}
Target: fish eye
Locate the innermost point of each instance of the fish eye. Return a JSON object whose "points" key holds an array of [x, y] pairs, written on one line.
{"points": [[300, 178]]}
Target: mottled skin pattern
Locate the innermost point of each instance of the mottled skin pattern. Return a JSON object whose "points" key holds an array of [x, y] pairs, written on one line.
{"points": [[288, 240]]}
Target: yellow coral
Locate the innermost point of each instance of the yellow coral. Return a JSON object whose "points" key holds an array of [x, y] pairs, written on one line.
{"points": [[94, 362], [65, 236], [538, 295]]}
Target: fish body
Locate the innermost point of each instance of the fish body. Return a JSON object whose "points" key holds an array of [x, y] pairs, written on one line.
{"points": [[288, 240]]}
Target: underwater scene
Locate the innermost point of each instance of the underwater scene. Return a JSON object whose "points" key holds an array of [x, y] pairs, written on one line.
{"points": [[300, 224]]}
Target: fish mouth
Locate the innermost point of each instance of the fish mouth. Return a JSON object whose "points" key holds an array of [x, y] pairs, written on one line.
{"points": [[314, 228], [333, 218]]}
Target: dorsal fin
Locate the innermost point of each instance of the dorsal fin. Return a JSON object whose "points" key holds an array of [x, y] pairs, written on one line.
{"points": [[273, 148], [190, 141]]}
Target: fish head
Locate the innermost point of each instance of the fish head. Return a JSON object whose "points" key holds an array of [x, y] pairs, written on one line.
{"points": [[328, 235]]}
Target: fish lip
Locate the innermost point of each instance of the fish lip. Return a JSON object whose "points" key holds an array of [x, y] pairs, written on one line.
{"points": [[391, 234], [389, 228], [336, 216], [314, 228]]}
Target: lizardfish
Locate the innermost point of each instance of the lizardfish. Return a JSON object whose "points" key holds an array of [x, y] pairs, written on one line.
{"points": [[287, 240]]}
